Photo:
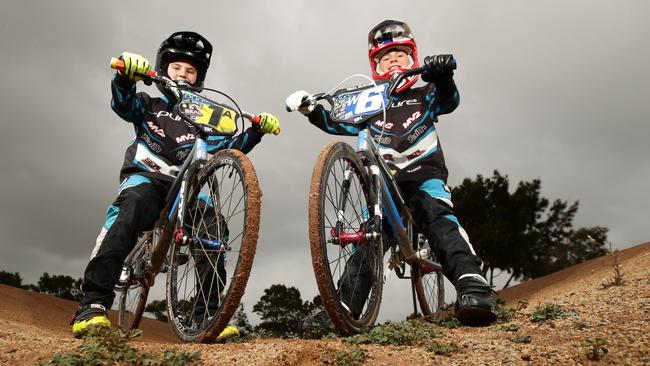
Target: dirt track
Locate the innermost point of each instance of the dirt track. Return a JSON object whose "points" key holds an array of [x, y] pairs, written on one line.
{"points": [[34, 327]]}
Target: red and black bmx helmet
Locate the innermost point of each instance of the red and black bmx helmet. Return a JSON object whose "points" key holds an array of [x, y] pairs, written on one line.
{"points": [[387, 36]]}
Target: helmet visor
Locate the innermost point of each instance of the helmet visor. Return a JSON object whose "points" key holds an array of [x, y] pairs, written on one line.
{"points": [[389, 32], [188, 43]]}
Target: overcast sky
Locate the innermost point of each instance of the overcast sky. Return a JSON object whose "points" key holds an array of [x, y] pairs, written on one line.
{"points": [[555, 90]]}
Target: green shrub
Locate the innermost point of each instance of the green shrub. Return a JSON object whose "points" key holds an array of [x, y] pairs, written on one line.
{"points": [[352, 357], [398, 334], [550, 312], [102, 346], [595, 349], [444, 348]]}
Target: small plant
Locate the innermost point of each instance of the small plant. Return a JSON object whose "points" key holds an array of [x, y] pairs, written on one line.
{"points": [[103, 346], [617, 279], [319, 332], [509, 327], [522, 304], [354, 356], [523, 338], [580, 325], [504, 313], [397, 334], [444, 348], [595, 349], [449, 322], [550, 312]]}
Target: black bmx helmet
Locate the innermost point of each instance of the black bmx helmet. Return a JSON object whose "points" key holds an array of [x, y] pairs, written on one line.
{"points": [[185, 46]]}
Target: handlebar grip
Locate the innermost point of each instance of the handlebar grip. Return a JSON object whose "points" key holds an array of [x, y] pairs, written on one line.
{"points": [[118, 64], [256, 121]]}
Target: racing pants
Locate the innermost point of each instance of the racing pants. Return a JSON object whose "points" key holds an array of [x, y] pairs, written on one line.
{"points": [[431, 206]]}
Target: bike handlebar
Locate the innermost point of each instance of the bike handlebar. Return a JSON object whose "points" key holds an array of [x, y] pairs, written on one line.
{"points": [[395, 80], [150, 76]]}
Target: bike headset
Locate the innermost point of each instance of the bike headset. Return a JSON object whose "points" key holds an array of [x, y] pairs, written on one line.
{"points": [[184, 46], [391, 35]]}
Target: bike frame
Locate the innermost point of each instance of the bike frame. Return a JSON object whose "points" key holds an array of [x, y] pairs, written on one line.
{"points": [[392, 204], [175, 204]]}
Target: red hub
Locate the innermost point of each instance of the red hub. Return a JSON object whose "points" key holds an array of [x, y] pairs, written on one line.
{"points": [[179, 237], [344, 239]]}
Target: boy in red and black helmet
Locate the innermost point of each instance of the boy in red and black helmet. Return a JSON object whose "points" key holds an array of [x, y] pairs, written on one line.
{"points": [[413, 151], [162, 143]]}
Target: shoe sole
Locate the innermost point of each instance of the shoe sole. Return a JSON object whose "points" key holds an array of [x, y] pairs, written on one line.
{"points": [[475, 317]]}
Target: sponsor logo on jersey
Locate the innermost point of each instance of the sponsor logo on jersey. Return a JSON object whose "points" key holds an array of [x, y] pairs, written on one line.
{"points": [[185, 138], [182, 154], [414, 169], [414, 154], [167, 114], [152, 145], [410, 120], [151, 164], [156, 129], [383, 124], [385, 140], [416, 133], [402, 103]]}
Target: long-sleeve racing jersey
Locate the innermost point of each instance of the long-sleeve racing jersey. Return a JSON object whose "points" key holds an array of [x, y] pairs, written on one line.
{"points": [[409, 143], [163, 140]]}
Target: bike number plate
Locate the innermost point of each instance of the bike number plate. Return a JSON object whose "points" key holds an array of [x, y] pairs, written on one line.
{"points": [[355, 104], [213, 118]]}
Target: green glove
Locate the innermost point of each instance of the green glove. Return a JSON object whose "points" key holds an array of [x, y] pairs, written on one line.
{"points": [[268, 123], [134, 64]]}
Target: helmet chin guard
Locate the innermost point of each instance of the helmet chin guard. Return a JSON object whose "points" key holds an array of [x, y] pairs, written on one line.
{"points": [[391, 35]]}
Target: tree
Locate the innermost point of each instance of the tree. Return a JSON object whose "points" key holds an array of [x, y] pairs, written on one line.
{"points": [[11, 279], [281, 309], [60, 286], [240, 319], [158, 308], [521, 232]]}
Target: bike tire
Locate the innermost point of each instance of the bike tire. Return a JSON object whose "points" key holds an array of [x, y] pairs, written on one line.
{"points": [[429, 288], [133, 292], [204, 293], [330, 261]]}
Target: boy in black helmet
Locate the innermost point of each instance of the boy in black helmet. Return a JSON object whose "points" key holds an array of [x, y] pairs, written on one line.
{"points": [[151, 162], [414, 153]]}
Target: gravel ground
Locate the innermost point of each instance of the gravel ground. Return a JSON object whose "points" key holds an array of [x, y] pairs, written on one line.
{"points": [[31, 329]]}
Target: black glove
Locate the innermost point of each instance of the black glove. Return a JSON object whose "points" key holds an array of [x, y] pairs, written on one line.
{"points": [[438, 68]]}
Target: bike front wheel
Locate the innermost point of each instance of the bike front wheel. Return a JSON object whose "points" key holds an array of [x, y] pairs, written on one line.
{"points": [[133, 286], [209, 270], [346, 257]]}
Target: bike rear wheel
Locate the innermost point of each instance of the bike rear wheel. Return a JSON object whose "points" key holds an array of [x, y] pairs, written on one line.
{"points": [[133, 286], [348, 266], [209, 272], [429, 288]]}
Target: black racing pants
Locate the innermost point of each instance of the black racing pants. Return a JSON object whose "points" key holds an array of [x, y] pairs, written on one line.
{"points": [[136, 209], [435, 220]]}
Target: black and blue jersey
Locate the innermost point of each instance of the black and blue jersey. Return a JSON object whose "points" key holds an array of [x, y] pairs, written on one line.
{"points": [[162, 138], [409, 142]]}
